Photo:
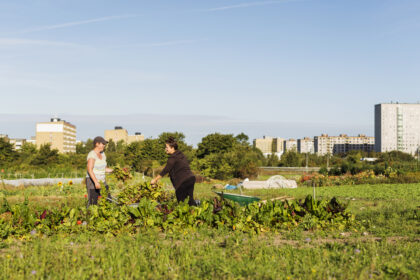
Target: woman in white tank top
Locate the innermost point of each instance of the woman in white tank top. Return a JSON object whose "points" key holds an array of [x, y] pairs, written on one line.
{"points": [[96, 170]]}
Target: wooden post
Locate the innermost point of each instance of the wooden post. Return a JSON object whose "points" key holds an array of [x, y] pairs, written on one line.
{"points": [[313, 184]]}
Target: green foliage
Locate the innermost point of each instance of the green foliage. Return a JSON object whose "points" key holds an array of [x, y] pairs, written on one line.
{"points": [[272, 160], [157, 209], [385, 247], [84, 148], [7, 153], [46, 156], [396, 156], [218, 156], [291, 158], [27, 152], [242, 138], [122, 174], [225, 156], [215, 143]]}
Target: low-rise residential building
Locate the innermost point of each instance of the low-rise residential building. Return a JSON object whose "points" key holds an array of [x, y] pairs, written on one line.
{"points": [[59, 133], [17, 143], [343, 143], [120, 134], [305, 145]]}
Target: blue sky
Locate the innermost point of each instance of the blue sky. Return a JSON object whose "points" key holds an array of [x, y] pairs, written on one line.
{"points": [[280, 68]]}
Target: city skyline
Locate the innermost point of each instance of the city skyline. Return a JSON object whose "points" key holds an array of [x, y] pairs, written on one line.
{"points": [[23, 126]]}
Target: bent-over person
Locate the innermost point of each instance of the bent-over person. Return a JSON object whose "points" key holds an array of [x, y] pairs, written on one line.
{"points": [[179, 171]]}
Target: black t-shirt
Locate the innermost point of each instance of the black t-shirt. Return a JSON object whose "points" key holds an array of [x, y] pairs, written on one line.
{"points": [[178, 169]]}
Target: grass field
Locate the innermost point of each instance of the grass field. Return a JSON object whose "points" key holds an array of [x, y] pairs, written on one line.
{"points": [[386, 246]]}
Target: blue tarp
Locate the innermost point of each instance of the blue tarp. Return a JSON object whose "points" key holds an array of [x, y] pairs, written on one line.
{"points": [[230, 187]]}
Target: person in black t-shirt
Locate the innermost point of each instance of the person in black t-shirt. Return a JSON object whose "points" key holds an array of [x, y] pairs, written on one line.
{"points": [[179, 171]]}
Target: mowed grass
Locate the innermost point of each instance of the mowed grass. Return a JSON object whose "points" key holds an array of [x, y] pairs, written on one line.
{"points": [[386, 246]]}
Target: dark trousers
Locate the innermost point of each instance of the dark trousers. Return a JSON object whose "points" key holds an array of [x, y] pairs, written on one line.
{"points": [[186, 190], [93, 193]]}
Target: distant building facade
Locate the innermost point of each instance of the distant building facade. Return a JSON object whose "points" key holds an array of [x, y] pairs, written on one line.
{"points": [[397, 127], [32, 140], [120, 134], [135, 138], [117, 134], [305, 145], [290, 145], [269, 145], [59, 133], [343, 143], [17, 143]]}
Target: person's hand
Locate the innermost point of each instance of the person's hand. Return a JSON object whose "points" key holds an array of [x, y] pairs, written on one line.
{"points": [[153, 182], [97, 185]]}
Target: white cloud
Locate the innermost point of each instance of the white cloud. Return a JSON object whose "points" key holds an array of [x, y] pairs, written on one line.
{"points": [[74, 23], [248, 4], [22, 42], [160, 44]]}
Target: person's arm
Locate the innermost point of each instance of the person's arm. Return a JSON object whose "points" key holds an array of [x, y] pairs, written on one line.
{"points": [[155, 180], [169, 165], [109, 170], [90, 164]]}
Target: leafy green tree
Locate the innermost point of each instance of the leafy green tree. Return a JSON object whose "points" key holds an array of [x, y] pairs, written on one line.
{"points": [[396, 156], [132, 156], [178, 136], [291, 159], [84, 147], [215, 166], [7, 152], [140, 155], [46, 156], [120, 147], [111, 146], [73, 160], [215, 143], [242, 138], [27, 153], [241, 161], [272, 160]]}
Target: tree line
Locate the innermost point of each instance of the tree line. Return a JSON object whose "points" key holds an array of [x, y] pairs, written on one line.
{"points": [[218, 156]]}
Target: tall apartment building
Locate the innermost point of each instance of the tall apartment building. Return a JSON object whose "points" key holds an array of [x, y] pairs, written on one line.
{"points": [[397, 127], [343, 143], [290, 145], [59, 133], [270, 145], [278, 146], [305, 145], [118, 133]]}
